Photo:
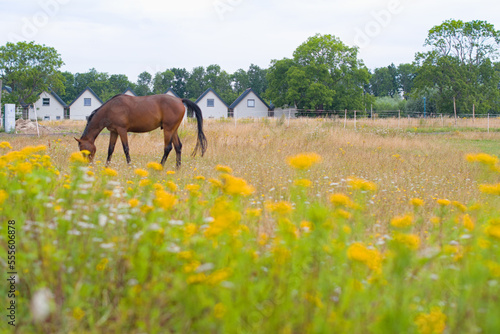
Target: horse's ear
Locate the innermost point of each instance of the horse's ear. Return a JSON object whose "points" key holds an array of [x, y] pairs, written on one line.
{"points": [[78, 140]]}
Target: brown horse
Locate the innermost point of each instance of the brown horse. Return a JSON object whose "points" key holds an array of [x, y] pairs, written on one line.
{"points": [[123, 113]]}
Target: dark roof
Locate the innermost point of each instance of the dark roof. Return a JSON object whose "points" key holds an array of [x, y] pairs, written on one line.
{"points": [[7, 89], [91, 91], [213, 91], [243, 95], [130, 89], [56, 97], [171, 90]]}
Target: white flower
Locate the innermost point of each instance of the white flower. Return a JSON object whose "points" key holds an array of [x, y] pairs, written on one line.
{"points": [[41, 304]]}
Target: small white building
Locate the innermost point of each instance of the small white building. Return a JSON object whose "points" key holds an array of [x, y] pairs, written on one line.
{"points": [[49, 107], [249, 105], [129, 92], [212, 105], [84, 104]]}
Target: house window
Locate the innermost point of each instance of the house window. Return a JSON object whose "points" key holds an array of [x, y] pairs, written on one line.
{"points": [[46, 101], [210, 102], [46, 118], [86, 102], [251, 103], [58, 117], [66, 113]]}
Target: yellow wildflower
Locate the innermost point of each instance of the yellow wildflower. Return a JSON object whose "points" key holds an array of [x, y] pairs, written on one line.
{"points": [[493, 228], [339, 199], [165, 200], [370, 257], [155, 166], [5, 144], [411, 241], [431, 323], [483, 158], [218, 276], [236, 186], [199, 177], [435, 220], [102, 264], [109, 172], [360, 184], [219, 310], [190, 230], [3, 196], [402, 221], [78, 157], [343, 213], [78, 313], [253, 212], [170, 172], [281, 208], [304, 161], [141, 172], [306, 226], [459, 206], [171, 186], [226, 219], [196, 278], [443, 202], [223, 169], [468, 222], [146, 208], [144, 182], [303, 183], [215, 183], [492, 189], [416, 202], [133, 202]]}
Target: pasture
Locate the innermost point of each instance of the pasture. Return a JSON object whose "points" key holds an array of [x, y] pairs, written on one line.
{"points": [[300, 226]]}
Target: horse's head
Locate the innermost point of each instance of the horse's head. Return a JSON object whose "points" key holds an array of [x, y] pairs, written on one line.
{"points": [[87, 146]]}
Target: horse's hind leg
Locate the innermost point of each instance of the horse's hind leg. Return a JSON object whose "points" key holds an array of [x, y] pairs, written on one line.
{"points": [[113, 136], [168, 145], [178, 149], [124, 139]]}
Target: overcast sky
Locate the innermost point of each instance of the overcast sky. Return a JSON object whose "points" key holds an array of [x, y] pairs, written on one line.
{"points": [[129, 37]]}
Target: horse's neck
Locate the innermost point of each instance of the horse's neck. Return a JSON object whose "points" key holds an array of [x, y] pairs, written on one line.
{"points": [[94, 128]]}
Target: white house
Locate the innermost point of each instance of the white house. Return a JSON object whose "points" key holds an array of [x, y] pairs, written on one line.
{"points": [[212, 105], [49, 107], [249, 105], [129, 91], [84, 104]]}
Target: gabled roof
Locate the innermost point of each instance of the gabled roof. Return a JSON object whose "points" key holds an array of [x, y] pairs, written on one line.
{"points": [[7, 89], [91, 91], [243, 95], [51, 92], [208, 91], [172, 91], [129, 89]]}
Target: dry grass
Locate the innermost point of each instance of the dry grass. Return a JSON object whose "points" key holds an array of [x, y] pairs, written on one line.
{"points": [[403, 165]]}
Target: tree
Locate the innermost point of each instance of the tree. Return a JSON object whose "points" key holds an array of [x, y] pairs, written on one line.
{"points": [[257, 79], [459, 66], [163, 81], [30, 69], [240, 81], [196, 83], [179, 84], [323, 74], [383, 82], [405, 76], [144, 81]]}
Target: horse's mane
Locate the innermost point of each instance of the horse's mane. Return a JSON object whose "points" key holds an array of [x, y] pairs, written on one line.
{"points": [[92, 114]]}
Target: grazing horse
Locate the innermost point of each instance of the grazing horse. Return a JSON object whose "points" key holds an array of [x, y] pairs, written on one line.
{"points": [[124, 113]]}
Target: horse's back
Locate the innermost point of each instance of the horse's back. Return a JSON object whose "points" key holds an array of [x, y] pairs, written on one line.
{"points": [[146, 113]]}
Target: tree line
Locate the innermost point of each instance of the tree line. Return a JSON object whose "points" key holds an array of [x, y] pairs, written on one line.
{"points": [[322, 74]]}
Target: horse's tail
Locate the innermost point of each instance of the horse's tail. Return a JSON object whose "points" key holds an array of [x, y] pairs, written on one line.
{"points": [[201, 144]]}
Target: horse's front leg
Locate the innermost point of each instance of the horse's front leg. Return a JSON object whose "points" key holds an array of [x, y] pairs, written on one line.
{"points": [[124, 139], [112, 141]]}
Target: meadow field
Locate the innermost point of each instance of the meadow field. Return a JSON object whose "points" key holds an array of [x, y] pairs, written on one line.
{"points": [[284, 226]]}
